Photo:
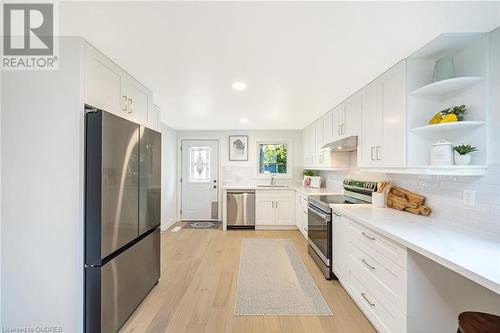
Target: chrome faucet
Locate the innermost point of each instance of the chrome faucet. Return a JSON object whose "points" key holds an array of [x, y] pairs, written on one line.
{"points": [[273, 175]]}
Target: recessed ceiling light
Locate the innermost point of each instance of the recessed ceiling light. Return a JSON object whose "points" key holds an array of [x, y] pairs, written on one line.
{"points": [[243, 120], [239, 86]]}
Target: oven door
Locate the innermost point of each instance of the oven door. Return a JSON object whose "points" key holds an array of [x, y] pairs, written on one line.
{"points": [[319, 231]]}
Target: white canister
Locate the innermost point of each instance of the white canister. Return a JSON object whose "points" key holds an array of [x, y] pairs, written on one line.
{"points": [[378, 199], [442, 153]]}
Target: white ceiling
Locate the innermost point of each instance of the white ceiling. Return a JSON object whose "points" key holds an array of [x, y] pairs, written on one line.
{"points": [[298, 59]]}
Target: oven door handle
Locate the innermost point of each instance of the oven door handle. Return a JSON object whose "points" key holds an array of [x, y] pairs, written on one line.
{"points": [[321, 214]]}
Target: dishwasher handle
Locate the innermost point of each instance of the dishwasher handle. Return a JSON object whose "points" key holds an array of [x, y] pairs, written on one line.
{"points": [[241, 192]]}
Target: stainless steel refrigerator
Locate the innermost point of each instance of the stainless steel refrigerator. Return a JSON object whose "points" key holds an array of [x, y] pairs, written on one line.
{"points": [[122, 218]]}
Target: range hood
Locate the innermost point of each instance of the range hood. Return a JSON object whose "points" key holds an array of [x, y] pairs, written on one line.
{"points": [[348, 144]]}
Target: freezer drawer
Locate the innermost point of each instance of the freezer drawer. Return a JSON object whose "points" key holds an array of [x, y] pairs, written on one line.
{"points": [[149, 180], [113, 291], [241, 209]]}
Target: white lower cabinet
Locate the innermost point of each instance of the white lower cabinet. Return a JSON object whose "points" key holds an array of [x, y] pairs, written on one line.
{"points": [[373, 270], [275, 208], [340, 248], [301, 213]]}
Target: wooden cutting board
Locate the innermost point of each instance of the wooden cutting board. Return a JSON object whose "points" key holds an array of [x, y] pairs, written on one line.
{"points": [[401, 199]]}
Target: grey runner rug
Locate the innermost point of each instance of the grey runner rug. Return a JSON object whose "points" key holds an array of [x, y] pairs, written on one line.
{"points": [[273, 280]]}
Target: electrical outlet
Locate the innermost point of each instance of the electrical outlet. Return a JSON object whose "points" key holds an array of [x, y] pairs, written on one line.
{"points": [[469, 198]]}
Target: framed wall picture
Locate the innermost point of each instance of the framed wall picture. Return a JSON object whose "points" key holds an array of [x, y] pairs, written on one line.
{"points": [[238, 148]]}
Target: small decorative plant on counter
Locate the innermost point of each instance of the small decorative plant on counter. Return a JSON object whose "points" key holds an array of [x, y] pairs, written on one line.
{"points": [[308, 173], [449, 115], [463, 154], [310, 180]]}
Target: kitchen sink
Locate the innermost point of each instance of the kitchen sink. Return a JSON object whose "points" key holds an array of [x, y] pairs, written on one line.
{"points": [[272, 186]]}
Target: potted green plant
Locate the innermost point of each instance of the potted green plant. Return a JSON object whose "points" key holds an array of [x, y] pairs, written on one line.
{"points": [[463, 154], [308, 174]]}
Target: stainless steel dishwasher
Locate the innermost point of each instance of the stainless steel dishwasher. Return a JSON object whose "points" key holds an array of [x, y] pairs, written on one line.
{"points": [[240, 211]]}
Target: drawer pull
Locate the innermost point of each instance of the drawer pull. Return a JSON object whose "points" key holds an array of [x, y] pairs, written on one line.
{"points": [[367, 236], [367, 300], [368, 265]]}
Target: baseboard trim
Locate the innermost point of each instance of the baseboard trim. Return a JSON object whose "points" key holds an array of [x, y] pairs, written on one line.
{"points": [[276, 227], [168, 224]]}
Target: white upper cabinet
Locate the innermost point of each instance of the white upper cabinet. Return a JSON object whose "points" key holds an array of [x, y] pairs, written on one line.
{"points": [[305, 147], [392, 152], [154, 118], [110, 88], [382, 139], [328, 135], [139, 101], [104, 82], [343, 120], [339, 121], [352, 116], [371, 120], [319, 130]]}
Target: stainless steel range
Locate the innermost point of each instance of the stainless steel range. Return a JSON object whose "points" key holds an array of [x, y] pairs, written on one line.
{"points": [[319, 220]]}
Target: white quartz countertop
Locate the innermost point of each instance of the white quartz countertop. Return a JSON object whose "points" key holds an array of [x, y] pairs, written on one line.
{"points": [[467, 252], [297, 188]]}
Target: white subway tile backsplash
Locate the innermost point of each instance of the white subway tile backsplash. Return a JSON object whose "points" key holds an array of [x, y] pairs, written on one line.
{"points": [[444, 195]]}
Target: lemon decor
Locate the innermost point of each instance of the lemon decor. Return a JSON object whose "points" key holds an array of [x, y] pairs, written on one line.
{"points": [[458, 111], [436, 119], [448, 115], [449, 118]]}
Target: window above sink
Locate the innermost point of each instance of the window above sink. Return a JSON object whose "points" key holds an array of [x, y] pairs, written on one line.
{"points": [[274, 158]]}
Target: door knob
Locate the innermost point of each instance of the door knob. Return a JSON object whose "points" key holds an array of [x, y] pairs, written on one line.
{"points": [[215, 180], [215, 186]]}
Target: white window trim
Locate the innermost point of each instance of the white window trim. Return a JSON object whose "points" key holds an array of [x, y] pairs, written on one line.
{"points": [[289, 159]]}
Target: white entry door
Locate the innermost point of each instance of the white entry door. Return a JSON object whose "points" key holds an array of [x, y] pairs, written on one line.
{"points": [[200, 184]]}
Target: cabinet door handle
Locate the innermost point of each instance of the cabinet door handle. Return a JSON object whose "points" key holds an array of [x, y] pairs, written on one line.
{"points": [[367, 236], [130, 101], [371, 153], [276, 204], [272, 204], [378, 150], [367, 264], [124, 103], [367, 300]]}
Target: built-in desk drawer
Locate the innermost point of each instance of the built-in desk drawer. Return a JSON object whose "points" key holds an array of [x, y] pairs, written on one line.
{"points": [[380, 316], [386, 280], [379, 243]]}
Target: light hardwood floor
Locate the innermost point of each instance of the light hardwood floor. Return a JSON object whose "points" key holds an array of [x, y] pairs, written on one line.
{"points": [[196, 292]]}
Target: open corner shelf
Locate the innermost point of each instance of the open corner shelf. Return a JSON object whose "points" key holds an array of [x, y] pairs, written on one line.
{"points": [[447, 127], [444, 87]]}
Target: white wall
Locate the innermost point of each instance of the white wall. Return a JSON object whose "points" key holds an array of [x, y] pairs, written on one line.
{"points": [[437, 295], [245, 172], [42, 194], [168, 176]]}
